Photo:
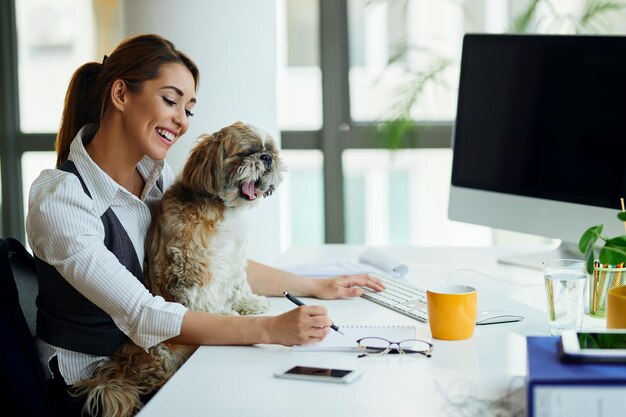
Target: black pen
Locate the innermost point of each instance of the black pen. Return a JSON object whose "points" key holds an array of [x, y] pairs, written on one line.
{"points": [[300, 303]]}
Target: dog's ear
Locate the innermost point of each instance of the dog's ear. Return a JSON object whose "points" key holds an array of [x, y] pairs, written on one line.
{"points": [[203, 170]]}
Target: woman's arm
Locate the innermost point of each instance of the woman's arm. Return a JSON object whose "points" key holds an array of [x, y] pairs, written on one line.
{"points": [[272, 281], [302, 325]]}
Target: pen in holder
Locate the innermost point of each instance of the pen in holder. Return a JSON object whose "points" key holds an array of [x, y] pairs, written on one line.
{"points": [[604, 278]]}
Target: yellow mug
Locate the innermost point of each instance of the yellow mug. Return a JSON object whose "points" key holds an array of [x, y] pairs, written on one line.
{"points": [[616, 308], [452, 311]]}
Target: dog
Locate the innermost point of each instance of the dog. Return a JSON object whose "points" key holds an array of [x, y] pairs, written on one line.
{"points": [[195, 255]]}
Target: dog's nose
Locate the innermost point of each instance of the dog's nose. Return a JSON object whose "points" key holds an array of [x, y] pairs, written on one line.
{"points": [[267, 160]]}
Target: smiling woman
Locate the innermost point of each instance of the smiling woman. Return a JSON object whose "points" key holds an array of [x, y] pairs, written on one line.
{"points": [[139, 70], [87, 220], [144, 121]]}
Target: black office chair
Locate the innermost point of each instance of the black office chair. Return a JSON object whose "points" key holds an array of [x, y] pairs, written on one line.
{"points": [[22, 379]]}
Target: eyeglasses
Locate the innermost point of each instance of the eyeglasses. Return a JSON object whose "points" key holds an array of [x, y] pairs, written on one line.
{"points": [[372, 346]]}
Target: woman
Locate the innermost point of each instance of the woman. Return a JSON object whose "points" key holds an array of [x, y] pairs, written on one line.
{"points": [[88, 219]]}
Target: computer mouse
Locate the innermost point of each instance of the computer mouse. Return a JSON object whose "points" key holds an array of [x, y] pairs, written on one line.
{"points": [[497, 316]]}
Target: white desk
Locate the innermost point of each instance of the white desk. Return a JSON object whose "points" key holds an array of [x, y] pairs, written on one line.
{"points": [[238, 381]]}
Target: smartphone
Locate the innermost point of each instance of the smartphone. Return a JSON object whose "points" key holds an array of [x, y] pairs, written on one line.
{"points": [[593, 346], [310, 373]]}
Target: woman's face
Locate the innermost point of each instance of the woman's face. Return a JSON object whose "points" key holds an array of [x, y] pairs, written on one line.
{"points": [[159, 113]]}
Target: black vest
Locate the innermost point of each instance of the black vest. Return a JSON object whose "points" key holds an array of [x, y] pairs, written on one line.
{"points": [[65, 318]]}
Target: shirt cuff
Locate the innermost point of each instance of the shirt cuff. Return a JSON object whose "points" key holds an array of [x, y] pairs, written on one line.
{"points": [[160, 320]]}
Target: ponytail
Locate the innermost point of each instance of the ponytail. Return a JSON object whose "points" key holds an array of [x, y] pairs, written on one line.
{"points": [[80, 107], [135, 60]]}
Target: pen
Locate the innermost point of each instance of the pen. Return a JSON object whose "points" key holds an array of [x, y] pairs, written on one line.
{"points": [[300, 303]]}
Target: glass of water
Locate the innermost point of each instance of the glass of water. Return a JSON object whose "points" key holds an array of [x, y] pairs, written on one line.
{"points": [[565, 281]]}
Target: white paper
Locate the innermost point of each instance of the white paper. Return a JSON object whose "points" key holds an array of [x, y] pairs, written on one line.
{"points": [[347, 341], [332, 268], [370, 261], [383, 262], [578, 401]]}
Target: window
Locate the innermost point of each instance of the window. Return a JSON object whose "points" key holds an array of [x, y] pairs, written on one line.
{"points": [[402, 63], [43, 42], [300, 89], [302, 199], [345, 68], [397, 198], [54, 38], [403, 51]]}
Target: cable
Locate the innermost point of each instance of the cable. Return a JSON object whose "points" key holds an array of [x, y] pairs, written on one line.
{"points": [[462, 401]]}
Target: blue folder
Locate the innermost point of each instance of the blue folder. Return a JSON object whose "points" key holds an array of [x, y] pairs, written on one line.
{"points": [[546, 369]]}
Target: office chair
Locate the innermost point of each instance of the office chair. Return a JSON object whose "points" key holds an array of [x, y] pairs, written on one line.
{"points": [[22, 379]]}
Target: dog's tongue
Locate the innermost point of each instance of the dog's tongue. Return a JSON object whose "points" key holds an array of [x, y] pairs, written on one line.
{"points": [[248, 189]]}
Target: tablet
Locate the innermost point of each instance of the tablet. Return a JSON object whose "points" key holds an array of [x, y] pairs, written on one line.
{"points": [[593, 346]]}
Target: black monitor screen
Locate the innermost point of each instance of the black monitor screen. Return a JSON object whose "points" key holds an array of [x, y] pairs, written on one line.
{"points": [[543, 116]]}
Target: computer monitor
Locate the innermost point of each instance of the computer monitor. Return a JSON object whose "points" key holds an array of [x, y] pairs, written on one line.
{"points": [[539, 143]]}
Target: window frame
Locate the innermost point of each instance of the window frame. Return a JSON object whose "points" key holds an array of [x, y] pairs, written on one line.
{"points": [[338, 132]]}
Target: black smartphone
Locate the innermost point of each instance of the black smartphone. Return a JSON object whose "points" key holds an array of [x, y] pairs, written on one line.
{"points": [[311, 373]]}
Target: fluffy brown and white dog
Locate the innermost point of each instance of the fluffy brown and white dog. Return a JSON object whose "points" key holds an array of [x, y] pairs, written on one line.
{"points": [[195, 255]]}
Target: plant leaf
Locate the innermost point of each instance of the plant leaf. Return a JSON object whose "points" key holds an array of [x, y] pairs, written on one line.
{"points": [[589, 238], [586, 245], [590, 258], [596, 8], [617, 241], [612, 255], [587, 341], [522, 23], [622, 216], [393, 134]]}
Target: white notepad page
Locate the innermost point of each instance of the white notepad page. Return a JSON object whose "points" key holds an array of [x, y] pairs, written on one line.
{"points": [[336, 341]]}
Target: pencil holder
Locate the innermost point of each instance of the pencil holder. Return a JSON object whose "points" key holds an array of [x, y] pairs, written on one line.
{"points": [[603, 279]]}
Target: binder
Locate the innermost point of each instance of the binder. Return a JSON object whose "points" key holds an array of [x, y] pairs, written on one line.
{"points": [[555, 388]]}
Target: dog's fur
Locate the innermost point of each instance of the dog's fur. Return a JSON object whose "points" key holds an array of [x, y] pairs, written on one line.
{"points": [[195, 255]]}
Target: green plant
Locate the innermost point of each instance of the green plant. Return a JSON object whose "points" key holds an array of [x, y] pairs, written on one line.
{"points": [[612, 252], [399, 128], [591, 18]]}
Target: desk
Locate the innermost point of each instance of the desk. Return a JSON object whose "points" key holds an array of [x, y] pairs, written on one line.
{"points": [[238, 381]]}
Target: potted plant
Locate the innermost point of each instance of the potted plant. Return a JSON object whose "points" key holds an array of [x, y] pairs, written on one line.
{"points": [[612, 252]]}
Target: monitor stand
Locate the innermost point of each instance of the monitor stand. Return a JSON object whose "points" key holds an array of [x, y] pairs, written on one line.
{"points": [[566, 250]]}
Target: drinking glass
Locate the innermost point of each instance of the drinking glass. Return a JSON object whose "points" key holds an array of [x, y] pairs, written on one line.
{"points": [[565, 281]]}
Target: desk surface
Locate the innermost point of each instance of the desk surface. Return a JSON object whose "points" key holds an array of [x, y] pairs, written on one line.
{"points": [[238, 380]]}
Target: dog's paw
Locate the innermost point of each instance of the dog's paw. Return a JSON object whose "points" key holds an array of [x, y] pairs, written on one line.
{"points": [[254, 304]]}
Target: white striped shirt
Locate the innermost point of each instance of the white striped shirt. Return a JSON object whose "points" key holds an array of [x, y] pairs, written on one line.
{"points": [[64, 229]]}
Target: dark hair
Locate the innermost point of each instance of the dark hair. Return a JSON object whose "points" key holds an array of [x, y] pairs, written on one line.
{"points": [[135, 60]]}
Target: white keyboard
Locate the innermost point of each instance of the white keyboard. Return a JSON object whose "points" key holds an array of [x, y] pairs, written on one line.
{"points": [[402, 297]]}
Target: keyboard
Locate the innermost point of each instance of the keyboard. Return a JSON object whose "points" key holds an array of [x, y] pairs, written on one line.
{"points": [[400, 296]]}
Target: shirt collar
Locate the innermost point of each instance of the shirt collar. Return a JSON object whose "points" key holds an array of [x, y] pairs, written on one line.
{"points": [[101, 186]]}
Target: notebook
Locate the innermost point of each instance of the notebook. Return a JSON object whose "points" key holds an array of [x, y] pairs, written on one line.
{"points": [[335, 341]]}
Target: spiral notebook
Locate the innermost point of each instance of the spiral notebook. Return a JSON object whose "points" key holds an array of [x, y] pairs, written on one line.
{"points": [[335, 341]]}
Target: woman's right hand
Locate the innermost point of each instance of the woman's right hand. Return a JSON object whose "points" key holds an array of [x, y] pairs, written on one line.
{"points": [[300, 326]]}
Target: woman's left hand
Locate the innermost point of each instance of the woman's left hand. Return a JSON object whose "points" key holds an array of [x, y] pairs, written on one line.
{"points": [[345, 286]]}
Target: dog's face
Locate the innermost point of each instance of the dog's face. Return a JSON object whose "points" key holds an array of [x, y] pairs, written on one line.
{"points": [[238, 164]]}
